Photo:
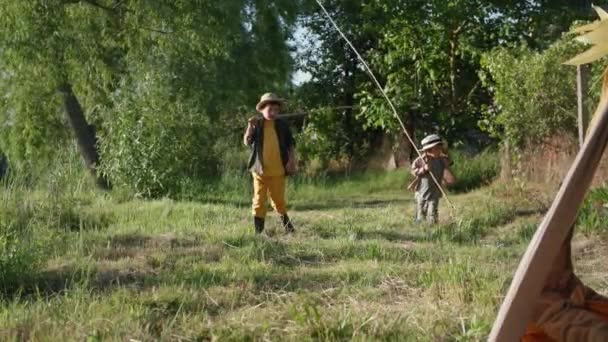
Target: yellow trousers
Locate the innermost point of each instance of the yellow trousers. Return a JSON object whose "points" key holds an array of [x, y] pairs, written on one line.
{"points": [[264, 186]]}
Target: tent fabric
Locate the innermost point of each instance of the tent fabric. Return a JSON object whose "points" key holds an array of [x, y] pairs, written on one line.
{"points": [[567, 310], [563, 322]]}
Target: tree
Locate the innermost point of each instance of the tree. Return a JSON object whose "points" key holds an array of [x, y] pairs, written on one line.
{"points": [[427, 56], [150, 76], [52, 51], [337, 73], [534, 92]]}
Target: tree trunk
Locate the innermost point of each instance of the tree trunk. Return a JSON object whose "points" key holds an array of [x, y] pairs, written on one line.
{"points": [[85, 134]]}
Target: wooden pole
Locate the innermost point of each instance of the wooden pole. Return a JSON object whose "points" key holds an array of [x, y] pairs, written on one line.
{"points": [[291, 115], [530, 277], [582, 82]]}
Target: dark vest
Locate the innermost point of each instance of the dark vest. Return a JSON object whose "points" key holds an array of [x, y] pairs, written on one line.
{"points": [[286, 141]]}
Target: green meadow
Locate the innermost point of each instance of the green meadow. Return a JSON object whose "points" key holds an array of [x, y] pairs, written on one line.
{"points": [[82, 265]]}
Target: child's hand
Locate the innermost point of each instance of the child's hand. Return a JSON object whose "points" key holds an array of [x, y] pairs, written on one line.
{"points": [[249, 131]]}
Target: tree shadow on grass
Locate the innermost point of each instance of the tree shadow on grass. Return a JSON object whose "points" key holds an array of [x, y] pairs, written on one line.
{"points": [[153, 261], [391, 235], [530, 212], [324, 204], [147, 241], [349, 203], [56, 282], [229, 202]]}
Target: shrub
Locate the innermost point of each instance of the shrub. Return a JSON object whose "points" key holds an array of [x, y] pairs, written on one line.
{"points": [[476, 171], [593, 216], [156, 141], [534, 92], [21, 240]]}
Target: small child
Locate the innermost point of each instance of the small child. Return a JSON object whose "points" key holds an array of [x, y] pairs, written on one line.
{"points": [[427, 193]]}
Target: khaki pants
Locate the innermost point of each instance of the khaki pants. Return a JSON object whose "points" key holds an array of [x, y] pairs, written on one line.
{"points": [[427, 210], [264, 186]]}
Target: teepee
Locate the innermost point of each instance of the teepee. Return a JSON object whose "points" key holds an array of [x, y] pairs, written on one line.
{"points": [[577, 313]]}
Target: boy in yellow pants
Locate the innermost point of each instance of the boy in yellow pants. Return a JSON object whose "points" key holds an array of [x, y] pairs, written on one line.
{"points": [[272, 159]]}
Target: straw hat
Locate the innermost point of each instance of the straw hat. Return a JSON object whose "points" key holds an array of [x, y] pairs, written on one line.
{"points": [[268, 98], [431, 141]]}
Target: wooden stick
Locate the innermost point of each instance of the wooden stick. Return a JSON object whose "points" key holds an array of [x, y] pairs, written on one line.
{"points": [[582, 80], [414, 184], [289, 115], [516, 310]]}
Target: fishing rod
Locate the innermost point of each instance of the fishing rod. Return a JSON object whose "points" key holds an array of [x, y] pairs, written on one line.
{"points": [[296, 114], [373, 77]]}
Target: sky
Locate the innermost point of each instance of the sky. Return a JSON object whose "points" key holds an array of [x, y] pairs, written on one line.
{"points": [[302, 39]]}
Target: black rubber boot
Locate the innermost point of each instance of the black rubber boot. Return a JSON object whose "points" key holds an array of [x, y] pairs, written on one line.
{"points": [[258, 222], [287, 224]]}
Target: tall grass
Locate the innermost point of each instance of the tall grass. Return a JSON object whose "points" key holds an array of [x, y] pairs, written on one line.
{"points": [[235, 184], [593, 216], [21, 240], [476, 171], [35, 209], [164, 269]]}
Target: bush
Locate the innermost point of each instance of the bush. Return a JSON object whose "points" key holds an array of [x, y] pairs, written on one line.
{"points": [[326, 139], [534, 93], [593, 216], [21, 241], [33, 216], [474, 172], [156, 141]]}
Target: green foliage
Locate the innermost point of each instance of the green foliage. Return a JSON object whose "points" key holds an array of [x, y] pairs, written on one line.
{"points": [[155, 143], [44, 45], [337, 75], [21, 242], [476, 171], [535, 94], [154, 79], [323, 140], [427, 57], [593, 216]]}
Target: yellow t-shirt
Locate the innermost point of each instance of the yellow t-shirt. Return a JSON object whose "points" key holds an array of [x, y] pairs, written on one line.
{"points": [[272, 163]]}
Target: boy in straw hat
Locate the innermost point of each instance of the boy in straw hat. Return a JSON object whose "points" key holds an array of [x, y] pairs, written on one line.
{"points": [[427, 193], [272, 159]]}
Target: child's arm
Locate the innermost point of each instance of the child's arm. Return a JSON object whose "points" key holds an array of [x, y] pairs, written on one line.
{"points": [[248, 137], [292, 164], [448, 175], [419, 167]]}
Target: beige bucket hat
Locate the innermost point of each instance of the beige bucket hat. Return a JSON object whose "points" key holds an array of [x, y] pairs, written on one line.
{"points": [[268, 98], [431, 141]]}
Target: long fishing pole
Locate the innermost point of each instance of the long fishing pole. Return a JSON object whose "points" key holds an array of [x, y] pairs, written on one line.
{"points": [[289, 115], [295, 114], [371, 74]]}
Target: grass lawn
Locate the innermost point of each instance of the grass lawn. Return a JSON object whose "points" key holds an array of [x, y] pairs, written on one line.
{"points": [[356, 269]]}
